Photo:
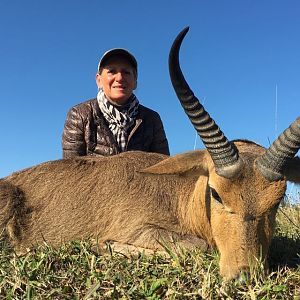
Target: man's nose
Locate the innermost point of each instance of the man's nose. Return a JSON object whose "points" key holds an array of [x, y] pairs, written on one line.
{"points": [[119, 76]]}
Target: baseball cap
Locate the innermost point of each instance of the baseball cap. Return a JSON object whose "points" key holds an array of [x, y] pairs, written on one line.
{"points": [[117, 52]]}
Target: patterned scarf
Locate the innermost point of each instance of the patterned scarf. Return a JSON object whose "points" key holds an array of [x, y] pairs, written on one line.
{"points": [[120, 119]]}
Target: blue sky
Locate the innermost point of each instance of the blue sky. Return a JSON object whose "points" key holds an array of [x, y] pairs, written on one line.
{"points": [[234, 56]]}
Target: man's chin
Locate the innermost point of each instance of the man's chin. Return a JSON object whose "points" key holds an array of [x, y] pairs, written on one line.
{"points": [[119, 100]]}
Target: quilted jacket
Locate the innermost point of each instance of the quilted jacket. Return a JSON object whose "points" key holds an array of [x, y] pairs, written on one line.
{"points": [[86, 132]]}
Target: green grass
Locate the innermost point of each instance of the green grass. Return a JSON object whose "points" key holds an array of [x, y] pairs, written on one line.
{"points": [[75, 272]]}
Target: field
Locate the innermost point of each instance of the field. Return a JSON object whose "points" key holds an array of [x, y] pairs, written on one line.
{"points": [[75, 271]]}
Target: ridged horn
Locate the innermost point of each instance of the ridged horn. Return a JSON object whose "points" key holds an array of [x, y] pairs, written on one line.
{"points": [[223, 153], [271, 164]]}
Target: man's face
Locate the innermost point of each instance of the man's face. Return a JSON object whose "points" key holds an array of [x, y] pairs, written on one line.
{"points": [[117, 78]]}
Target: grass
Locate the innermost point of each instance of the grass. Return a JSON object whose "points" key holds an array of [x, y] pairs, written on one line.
{"points": [[75, 272]]}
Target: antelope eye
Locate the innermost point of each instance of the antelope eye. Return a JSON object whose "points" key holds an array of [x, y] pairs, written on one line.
{"points": [[215, 195]]}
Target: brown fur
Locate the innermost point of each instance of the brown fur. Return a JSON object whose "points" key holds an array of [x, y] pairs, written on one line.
{"points": [[145, 200]]}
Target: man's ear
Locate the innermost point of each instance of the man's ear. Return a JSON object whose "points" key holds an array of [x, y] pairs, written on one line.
{"points": [[98, 80]]}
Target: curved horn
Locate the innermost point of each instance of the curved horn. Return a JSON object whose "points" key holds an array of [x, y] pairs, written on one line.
{"points": [[223, 153], [271, 164]]}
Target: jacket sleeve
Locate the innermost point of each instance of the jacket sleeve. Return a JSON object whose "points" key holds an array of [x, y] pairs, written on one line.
{"points": [[73, 139], [160, 142]]}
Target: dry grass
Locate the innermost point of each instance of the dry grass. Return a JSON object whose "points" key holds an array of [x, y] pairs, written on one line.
{"points": [[75, 272]]}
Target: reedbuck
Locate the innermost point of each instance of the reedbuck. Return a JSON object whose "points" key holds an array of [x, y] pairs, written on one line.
{"points": [[224, 196]]}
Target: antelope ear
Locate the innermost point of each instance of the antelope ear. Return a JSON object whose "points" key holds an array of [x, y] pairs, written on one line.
{"points": [[189, 163], [292, 170]]}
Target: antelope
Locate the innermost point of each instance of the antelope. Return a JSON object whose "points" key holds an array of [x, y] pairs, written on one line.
{"points": [[224, 196]]}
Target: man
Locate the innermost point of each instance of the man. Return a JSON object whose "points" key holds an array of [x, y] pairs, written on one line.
{"points": [[115, 121]]}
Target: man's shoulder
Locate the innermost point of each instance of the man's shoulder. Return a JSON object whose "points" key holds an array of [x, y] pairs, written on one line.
{"points": [[86, 104], [146, 111], [85, 107]]}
